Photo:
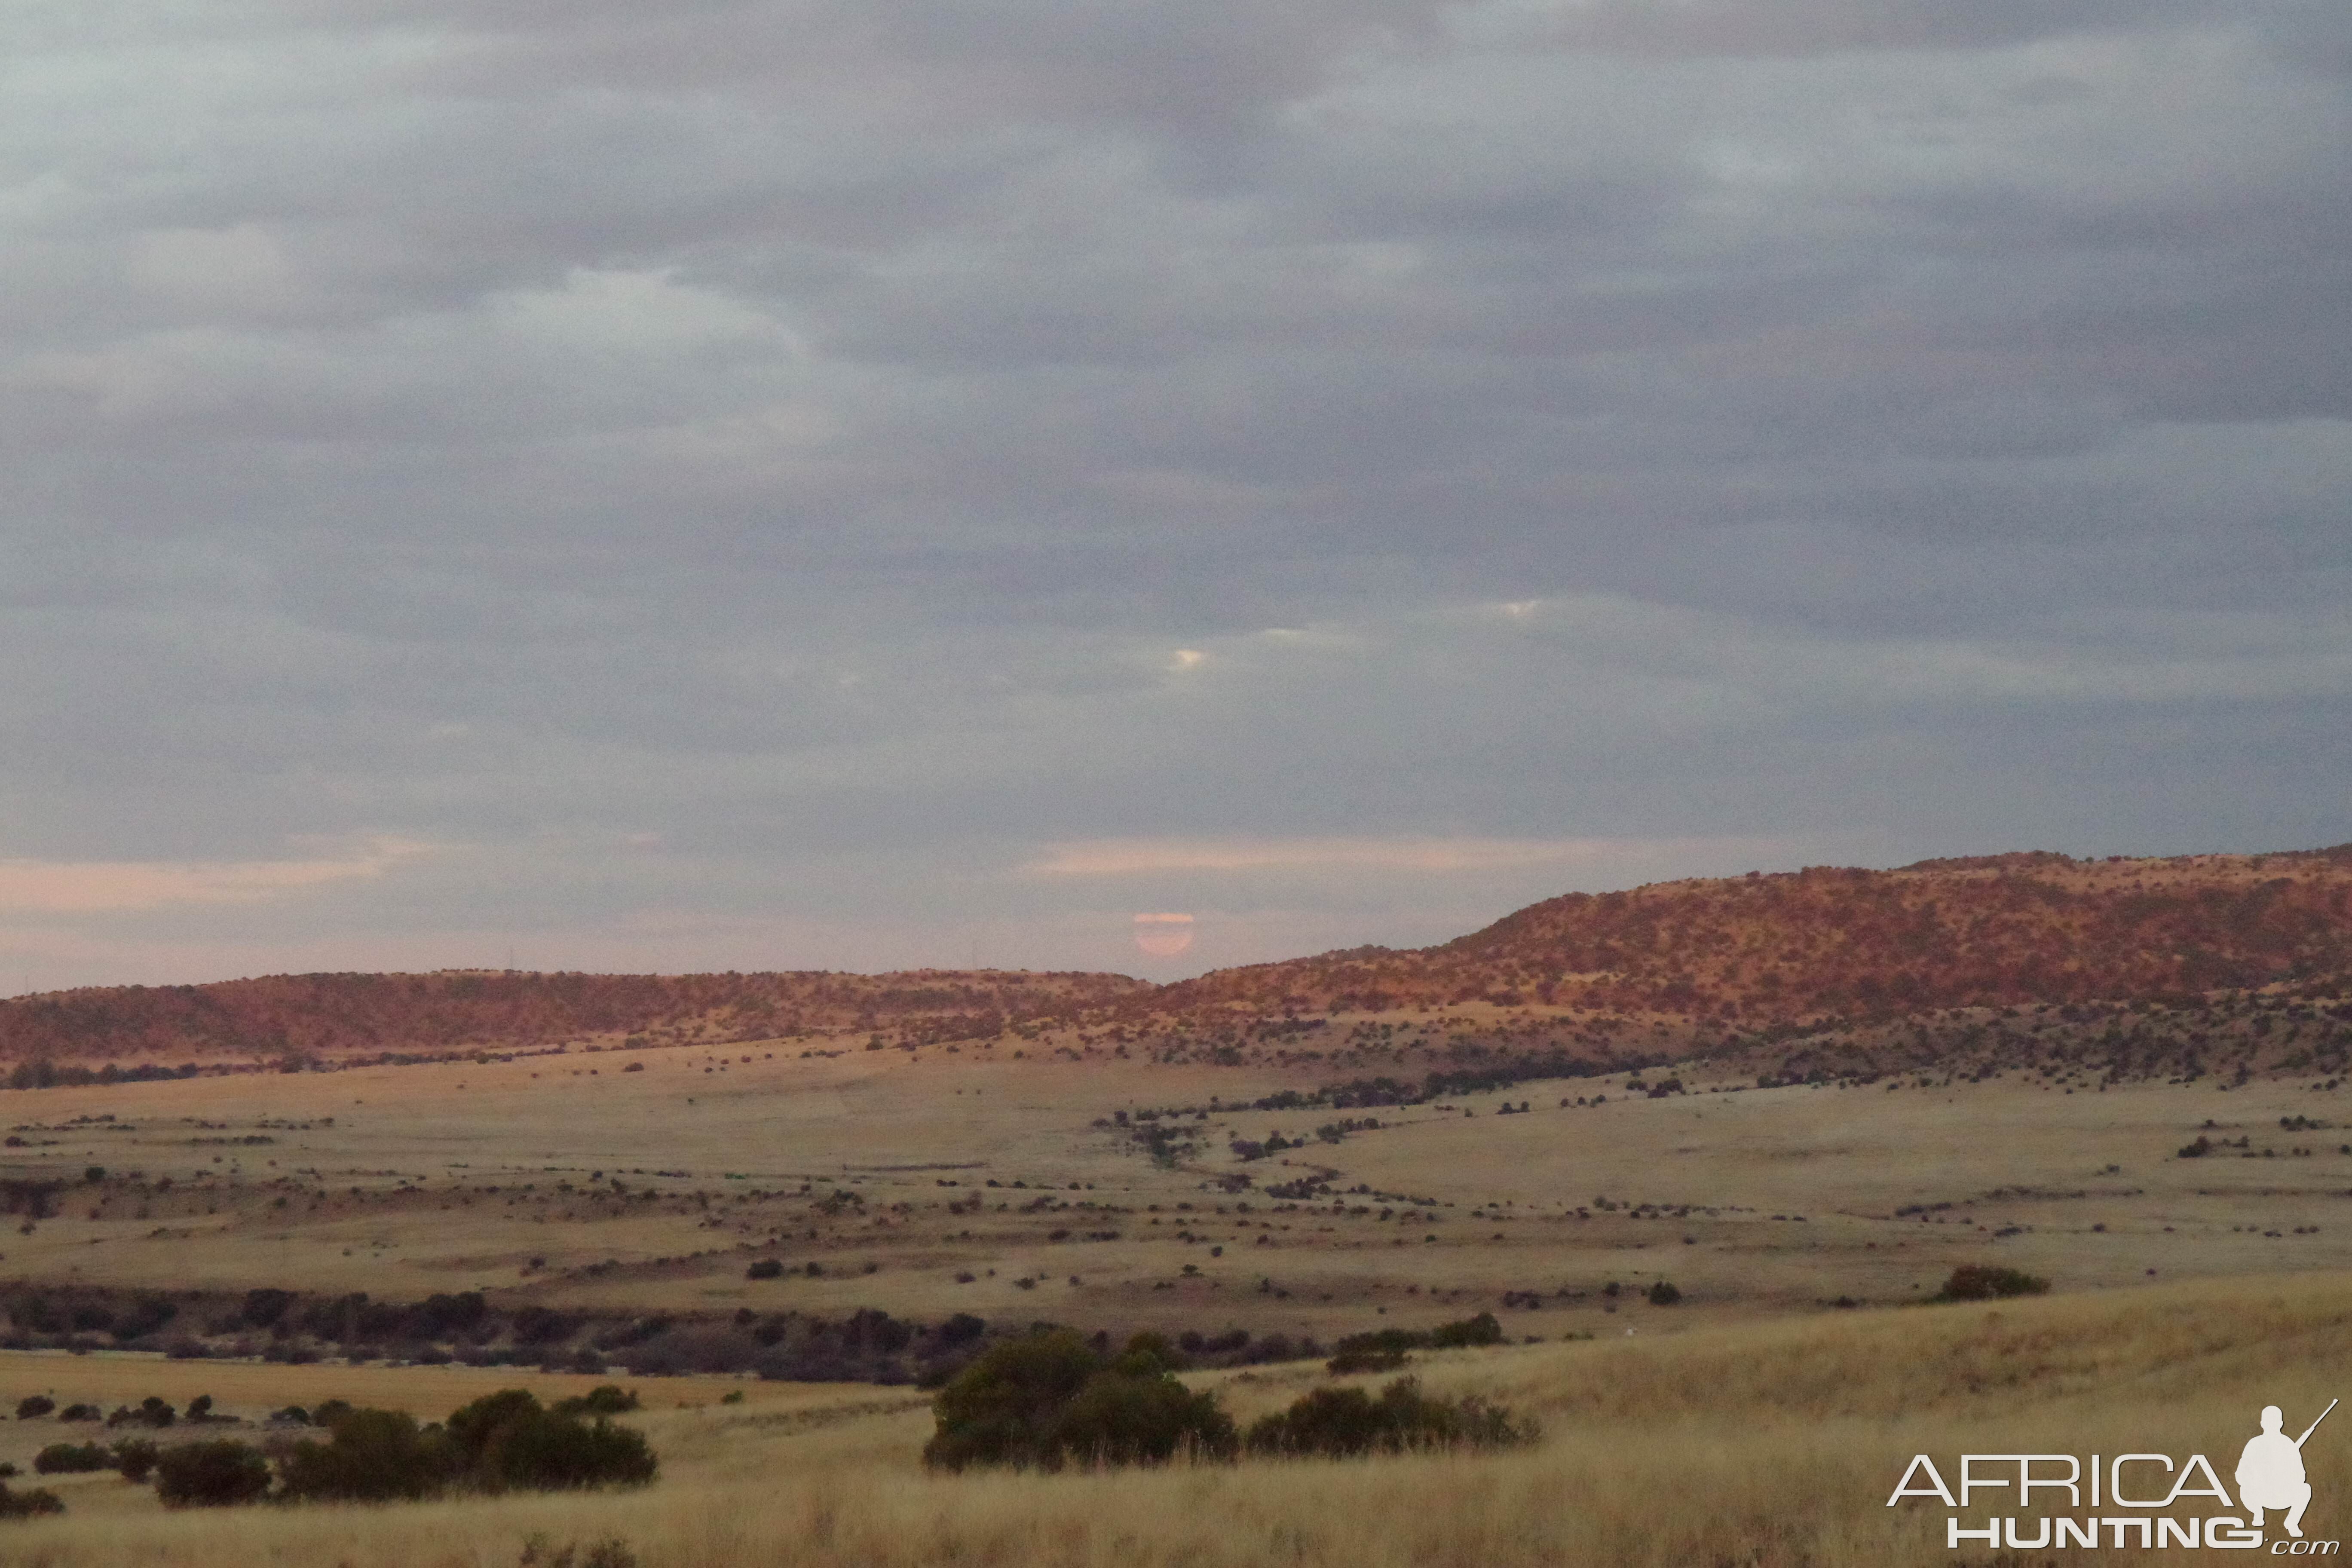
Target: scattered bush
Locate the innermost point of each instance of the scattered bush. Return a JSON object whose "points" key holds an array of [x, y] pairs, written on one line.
{"points": [[1051, 1399], [32, 1406], [1348, 1422], [1984, 1281], [72, 1459], [28, 1505], [766, 1269], [81, 1413], [217, 1474], [1662, 1294]]}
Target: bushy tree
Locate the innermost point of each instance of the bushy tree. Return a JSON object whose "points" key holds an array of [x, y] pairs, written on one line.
{"points": [[216, 1474], [1049, 1399], [33, 1405], [507, 1441], [373, 1456]]}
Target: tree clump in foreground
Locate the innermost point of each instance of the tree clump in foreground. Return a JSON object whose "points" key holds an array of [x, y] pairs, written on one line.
{"points": [[1051, 1400], [502, 1442]]}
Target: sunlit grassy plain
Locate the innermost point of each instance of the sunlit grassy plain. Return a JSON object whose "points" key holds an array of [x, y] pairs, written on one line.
{"points": [[1791, 1197], [1758, 1443]]}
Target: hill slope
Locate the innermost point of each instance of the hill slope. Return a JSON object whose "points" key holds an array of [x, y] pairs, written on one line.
{"points": [[339, 1016], [1829, 943], [1641, 975]]}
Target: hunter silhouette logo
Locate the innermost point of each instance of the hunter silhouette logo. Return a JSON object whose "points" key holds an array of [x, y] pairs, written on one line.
{"points": [[2270, 1472], [2270, 1478]]}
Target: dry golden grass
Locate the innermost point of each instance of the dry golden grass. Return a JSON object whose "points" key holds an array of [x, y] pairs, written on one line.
{"points": [[1766, 1445]]}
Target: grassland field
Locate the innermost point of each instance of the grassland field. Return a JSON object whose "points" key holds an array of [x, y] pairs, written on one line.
{"points": [[1769, 1443], [899, 1176]]}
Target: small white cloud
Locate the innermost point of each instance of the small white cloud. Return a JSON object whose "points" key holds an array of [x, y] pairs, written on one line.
{"points": [[1136, 856], [92, 886]]}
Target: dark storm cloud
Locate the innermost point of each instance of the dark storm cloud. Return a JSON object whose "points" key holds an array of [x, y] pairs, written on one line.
{"points": [[676, 480]]}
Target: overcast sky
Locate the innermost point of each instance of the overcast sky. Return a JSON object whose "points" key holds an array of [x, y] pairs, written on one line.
{"points": [[866, 483]]}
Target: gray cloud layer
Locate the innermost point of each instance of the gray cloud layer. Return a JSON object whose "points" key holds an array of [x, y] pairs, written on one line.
{"points": [[737, 483]]}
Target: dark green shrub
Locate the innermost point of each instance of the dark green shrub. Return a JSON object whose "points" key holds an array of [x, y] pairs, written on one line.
{"points": [[548, 1452], [1662, 1294], [507, 1441], [1356, 1357], [766, 1269], [1384, 1350], [1129, 1419], [606, 1399], [1051, 1399], [1482, 1330], [216, 1474], [81, 1413], [1348, 1422], [34, 1406], [28, 1505], [72, 1459], [1983, 1282], [374, 1456], [135, 1457], [264, 1307]]}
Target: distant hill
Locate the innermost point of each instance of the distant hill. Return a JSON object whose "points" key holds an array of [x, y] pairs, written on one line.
{"points": [[1771, 964], [338, 1018], [1827, 943]]}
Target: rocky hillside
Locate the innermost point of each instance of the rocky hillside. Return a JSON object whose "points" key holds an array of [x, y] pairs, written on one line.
{"points": [[1823, 943], [339, 1017]]}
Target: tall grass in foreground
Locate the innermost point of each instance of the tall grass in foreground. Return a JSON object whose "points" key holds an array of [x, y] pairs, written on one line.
{"points": [[1759, 1446]]}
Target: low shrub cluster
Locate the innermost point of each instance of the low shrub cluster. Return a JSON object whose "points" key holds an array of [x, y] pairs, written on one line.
{"points": [[72, 1459], [1053, 1400], [28, 1505], [1385, 1350], [1985, 1281], [502, 1442], [1343, 1423]]}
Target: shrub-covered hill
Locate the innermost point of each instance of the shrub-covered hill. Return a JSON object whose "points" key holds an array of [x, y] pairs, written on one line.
{"points": [[291, 1017], [1836, 942]]}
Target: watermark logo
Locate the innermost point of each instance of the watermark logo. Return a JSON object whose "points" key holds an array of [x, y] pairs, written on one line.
{"points": [[2270, 1478]]}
